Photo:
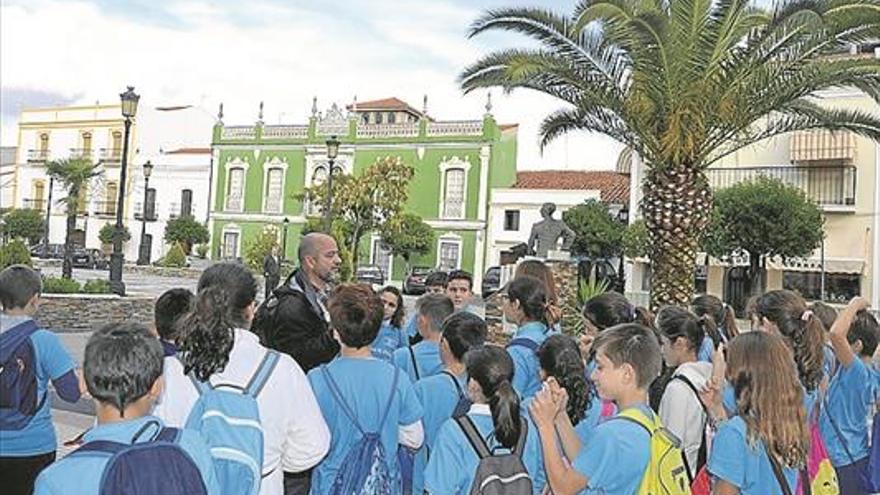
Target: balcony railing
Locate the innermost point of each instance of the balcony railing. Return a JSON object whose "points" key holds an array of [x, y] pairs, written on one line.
{"points": [[111, 155], [34, 204], [85, 153], [37, 156], [175, 210], [150, 213], [104, 208], [826, 185]]}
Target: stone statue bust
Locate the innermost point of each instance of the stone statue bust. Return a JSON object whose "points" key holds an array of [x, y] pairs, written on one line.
{"points": [[546, 233]]}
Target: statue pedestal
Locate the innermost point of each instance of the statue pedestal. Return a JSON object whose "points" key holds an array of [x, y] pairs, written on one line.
{"points": [[554, 255]]}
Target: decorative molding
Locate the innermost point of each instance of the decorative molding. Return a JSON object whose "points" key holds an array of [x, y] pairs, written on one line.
{"points": [[274, 163], [455, 128], [407, 129], [446, 224], [230, 229], [450, 238], [257, 217], [239, 132], [333, 122], [445, 165], [231, 164], [285, 132]]}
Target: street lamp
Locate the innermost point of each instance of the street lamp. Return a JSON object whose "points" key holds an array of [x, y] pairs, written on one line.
{"points": [[623, 218], [129, 110], [44, 252], [284, 224], [332, 153], [144, 250]]}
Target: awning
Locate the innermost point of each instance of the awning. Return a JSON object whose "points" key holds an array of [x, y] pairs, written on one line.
{"points": [[832, 265], [821, 145]]}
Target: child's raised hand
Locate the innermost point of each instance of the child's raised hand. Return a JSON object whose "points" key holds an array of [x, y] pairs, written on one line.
{"points": [[543, 409], [558, 393], [859, 303], [585, 342], [711, 395], [719, 363]]}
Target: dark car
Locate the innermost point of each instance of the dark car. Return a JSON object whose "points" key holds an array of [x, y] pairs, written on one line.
{"points": [[370, 274], [491, 281], [53, 251], [414, 283], [89, 258]]}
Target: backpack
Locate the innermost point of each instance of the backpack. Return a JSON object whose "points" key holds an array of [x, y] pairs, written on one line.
{"points": [[497, 474], [365, 465], [702, 452], [524, 342], [666, 473], [228, 417], [872, 481], [464, 403], [159, 465], [18, 377]]}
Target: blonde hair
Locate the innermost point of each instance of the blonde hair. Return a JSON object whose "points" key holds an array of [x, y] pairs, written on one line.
{"points": [[769, 395]]}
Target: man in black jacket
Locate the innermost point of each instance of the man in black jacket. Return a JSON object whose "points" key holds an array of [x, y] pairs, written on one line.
{"points": [[294, 318], [271, 270]]}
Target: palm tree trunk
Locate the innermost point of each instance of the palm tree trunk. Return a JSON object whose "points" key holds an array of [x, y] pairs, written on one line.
{"points": [[67, 264], [676, 205]]}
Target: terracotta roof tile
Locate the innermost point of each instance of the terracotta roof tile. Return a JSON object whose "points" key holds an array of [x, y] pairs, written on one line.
{"points": [[189, 151], [384, 104], [614, 186]]}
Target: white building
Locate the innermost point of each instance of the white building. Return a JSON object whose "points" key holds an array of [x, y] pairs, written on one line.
{"points": [[7, 175], [513, 211]]}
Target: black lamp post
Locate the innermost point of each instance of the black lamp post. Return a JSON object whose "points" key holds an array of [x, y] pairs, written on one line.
{"points": [[129, 110], [144, 249], [44, 251], [623, 218], [332, 153], [284, 224]]}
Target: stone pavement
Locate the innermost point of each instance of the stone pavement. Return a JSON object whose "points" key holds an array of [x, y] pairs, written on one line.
{"points": [[135, 283]]}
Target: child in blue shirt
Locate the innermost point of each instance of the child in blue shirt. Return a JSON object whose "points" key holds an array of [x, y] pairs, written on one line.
{"points": [[441, 394], [614, 456], [850, 395], [746, 446], [391, 336], [27, 438], [496, 415], [435, 283], [122, 370], [423, 359], [169, 309], [526, 304], [365, 384]]}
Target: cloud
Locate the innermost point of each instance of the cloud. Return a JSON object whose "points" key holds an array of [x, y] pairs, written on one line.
{"points": [[280, 52]]}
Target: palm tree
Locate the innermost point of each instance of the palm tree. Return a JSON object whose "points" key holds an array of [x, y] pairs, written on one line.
{"points": [[684, 83], [74, 175]]}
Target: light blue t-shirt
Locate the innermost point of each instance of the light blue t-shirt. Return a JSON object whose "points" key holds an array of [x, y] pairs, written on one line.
{"points": [[427, 355], [706, 350], [454, 462], [52, 362], [411, 327], [365, 385], [81, 474], [438, 396], [591, 419], [829, 361], [614, 456], [850, 397], [728, 399], [388, 340], [526, 379], [735, 460]]}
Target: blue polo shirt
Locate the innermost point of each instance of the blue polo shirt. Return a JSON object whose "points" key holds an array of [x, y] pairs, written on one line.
{"points": [[81, 474], [411, 327], [52, 362], [439, 396], [850, 397], [707, 347], [526, 380], [614, 456], [427, 355], [388, 340], [743, 464]]}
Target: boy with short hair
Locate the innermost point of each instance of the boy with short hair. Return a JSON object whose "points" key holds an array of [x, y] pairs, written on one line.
{"points": [[423, 359], [435, 283], [460, 288], [170, 307], [122, 371], [27, 436], [365, 386], [850, 395], [615, 457]]}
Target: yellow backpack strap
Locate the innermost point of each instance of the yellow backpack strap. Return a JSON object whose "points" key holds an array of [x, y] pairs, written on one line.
{"points": [[640, 418]]}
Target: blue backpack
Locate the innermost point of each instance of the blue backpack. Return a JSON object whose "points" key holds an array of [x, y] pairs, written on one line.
{"points": [[228, 417], [872, 480], [159, 465], [524, 342], [19, 400], [365, 467]]}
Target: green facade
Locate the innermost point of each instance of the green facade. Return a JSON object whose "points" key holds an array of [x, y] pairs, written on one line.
{"points": [[480, 143]]}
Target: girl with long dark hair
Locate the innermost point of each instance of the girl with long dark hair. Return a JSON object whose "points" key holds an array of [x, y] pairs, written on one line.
{"points": [[390, 337]]}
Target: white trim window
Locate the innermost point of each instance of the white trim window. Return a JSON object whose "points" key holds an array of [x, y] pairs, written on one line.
{"points": [[231, 243], [453, 187], [274, 198], [381, 256], [449, 253], [235, 178]]}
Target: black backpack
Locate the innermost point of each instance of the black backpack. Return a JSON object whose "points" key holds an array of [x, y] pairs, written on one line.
{"points": [[497, 474]]}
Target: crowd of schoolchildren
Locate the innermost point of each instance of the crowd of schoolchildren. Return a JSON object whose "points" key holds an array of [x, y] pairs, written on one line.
{"points": [[205, 401]]}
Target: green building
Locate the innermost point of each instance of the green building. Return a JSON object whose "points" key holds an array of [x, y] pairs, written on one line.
{"points": [[259, 169]]}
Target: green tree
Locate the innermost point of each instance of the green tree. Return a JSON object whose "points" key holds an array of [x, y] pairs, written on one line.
{"points": [[256, 250], [597, 233], [175, 257], [683, 84], [14, 253], [105, 235], [406, 235], [187, 231], [764, 218], [25, 224], [635, 240], [367, 200], [74, 175]]}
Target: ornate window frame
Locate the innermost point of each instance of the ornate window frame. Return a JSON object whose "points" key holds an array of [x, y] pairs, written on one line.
{"points": [[274, 164], [231, 164], [450, 238], [446, 165]]}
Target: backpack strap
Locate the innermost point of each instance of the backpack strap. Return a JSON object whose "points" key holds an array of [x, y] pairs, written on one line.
{"points": [[455, 382], [519, 448], [337, 397], [837, 431], [390, 399], [701, 452], [412, 356], [636, 416], [171, 435], [261, 376], [473, 436], [524, 342]]}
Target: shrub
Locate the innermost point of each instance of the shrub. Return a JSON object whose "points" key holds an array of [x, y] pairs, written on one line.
{"points": [[186, 230], [175, 258], [202, 251], [256, 250], [105, 235], [24, 224], [14, 253], [56, 285], [97, 286]]}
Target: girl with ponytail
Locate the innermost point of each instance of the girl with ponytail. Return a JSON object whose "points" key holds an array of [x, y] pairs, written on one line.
{"points": [[526, 304], [722, 316], [217, 347], [497, 417], [539, 270]]}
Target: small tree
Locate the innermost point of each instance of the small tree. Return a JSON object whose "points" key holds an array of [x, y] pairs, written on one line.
{"points": [[763, 218], [14, 253], [105, 235], [367, 201], [74, 175], [174, 258], [187, 231], [407, 235], [635, 240], [597, 233], [26, 223], [257, 249]]}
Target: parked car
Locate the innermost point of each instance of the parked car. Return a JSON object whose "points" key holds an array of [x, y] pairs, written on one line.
{"points": [[491, 281], [414, 283], [370, 274], [53, 251], [90, 258]]}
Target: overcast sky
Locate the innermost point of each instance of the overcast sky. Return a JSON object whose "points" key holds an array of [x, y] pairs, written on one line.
{"points": [[281, 52]]}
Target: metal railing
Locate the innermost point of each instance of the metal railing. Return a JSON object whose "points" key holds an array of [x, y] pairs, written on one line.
{"points": [[104, 208], [111, 155], [150, 212], [34, 204], [37, 156], [176, 210], [80, 152], [826, 185]]}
